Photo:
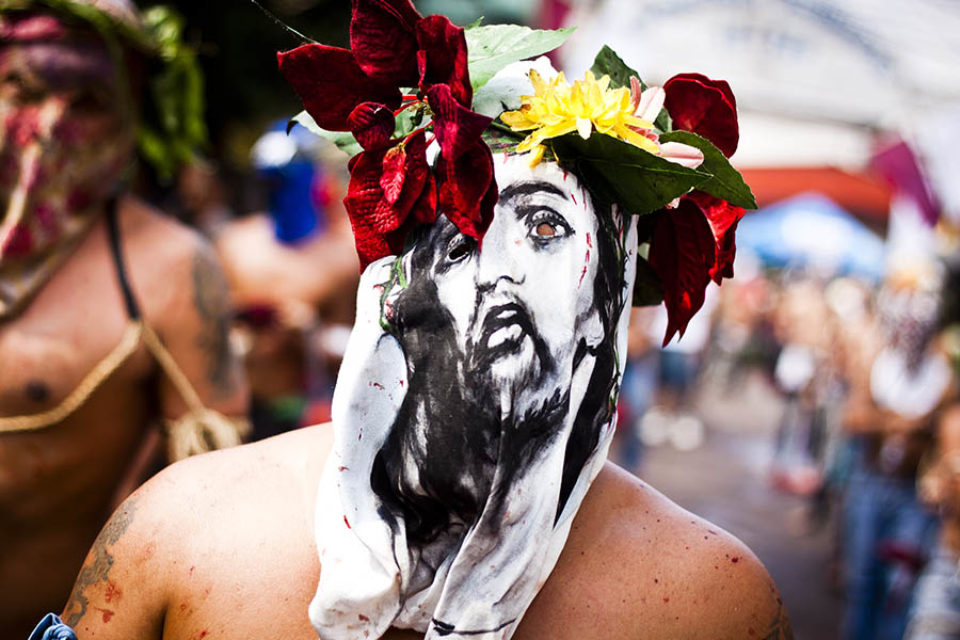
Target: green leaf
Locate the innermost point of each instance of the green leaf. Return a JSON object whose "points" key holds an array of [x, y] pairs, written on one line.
{"points": [[726, 183], [647, 290], [492, 47], [608, 63], [344, 140], [473, 25], [635, 179], [406, 121]]}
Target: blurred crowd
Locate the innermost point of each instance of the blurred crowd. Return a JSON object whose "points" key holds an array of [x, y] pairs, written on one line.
{"points": [[866, 373]]}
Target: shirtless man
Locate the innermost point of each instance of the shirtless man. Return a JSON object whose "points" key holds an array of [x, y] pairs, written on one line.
{"points": [[78, 429], [462, 491], [242, 560]]}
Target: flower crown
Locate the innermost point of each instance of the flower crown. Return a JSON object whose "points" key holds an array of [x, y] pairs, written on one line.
{"points": [[410, 80]]}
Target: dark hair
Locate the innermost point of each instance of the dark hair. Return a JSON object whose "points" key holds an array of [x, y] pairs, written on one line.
{"points": [[598, 404]]}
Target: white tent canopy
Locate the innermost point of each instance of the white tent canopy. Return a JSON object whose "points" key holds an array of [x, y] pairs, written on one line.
{"points": [[814, 79]]}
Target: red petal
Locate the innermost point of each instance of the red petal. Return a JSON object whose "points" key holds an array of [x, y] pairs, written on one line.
{"points": [[382, 36], [424, 212], [468, 191], [330, 83], [372, 124], [723, 219], [363, 196], [456, 127], [704, 106], [425, 208], [405, 172], [682, 251], [391, 191], [442, 58]]}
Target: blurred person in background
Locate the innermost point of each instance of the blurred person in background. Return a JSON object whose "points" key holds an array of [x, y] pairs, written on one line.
{"points": [[892, 409], [803, 327], [936, 606], [292, 272], [672, 417], [639, 386], [113, 318]]}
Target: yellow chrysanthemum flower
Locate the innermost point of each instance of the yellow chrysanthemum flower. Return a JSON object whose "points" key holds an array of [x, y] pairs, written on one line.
{"points": [[556, 109]]}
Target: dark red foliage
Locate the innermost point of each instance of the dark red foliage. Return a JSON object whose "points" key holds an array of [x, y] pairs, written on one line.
{"points": [[391, 191], [372, 125], [391, 185], [704, 106], [682, 252], [723, 219], [331, 84], [383, 39], [456, 127], [467, 189], [442, 58]]}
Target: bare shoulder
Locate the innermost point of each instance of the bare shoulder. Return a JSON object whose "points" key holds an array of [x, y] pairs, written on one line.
{"points": [[649, 569], [197, 535]]}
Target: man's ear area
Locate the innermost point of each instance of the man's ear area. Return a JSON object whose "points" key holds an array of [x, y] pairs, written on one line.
{"points": [[651, 569]]}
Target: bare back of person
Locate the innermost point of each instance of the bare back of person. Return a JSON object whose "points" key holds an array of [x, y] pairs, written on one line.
{"points": [[222, 546], [59, 483]]}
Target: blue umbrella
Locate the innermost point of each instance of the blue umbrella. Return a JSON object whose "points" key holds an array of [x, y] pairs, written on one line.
{"points": [[811, 230]]}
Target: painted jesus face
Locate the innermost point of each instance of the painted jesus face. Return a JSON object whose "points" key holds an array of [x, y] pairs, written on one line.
{"points": [[522, 304]]}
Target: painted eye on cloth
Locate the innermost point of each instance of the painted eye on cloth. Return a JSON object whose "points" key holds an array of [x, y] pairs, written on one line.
{"points": [[547, 225], [459, 248]]}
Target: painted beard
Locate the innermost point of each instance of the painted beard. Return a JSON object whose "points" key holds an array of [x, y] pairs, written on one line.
{"points": [[507, 347], [436, 469]]}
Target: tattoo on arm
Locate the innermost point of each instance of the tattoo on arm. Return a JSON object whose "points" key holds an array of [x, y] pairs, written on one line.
{"points": [[211, 300], [780, 626], [98, 570]]}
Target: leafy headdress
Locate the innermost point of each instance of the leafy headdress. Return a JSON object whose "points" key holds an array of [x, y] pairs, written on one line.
{"points": [[171, 126], [459, 458], [660, 153]]}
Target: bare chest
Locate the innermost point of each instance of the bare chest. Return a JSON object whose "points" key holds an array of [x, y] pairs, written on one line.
{"points": [[71, 326]]}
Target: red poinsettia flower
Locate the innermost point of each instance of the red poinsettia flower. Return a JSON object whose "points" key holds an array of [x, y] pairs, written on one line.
{"points": [[393, 190], [704, 106], [692, 245], [358, 90]]}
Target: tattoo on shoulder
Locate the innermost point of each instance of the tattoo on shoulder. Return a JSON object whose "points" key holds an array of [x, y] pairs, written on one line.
{"points": [[212, 302], [780, 626], [98, 568]]}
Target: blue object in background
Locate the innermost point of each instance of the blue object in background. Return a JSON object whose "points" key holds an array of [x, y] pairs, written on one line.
{"points": [[291, 176], [811, 230], [52, 628]]}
